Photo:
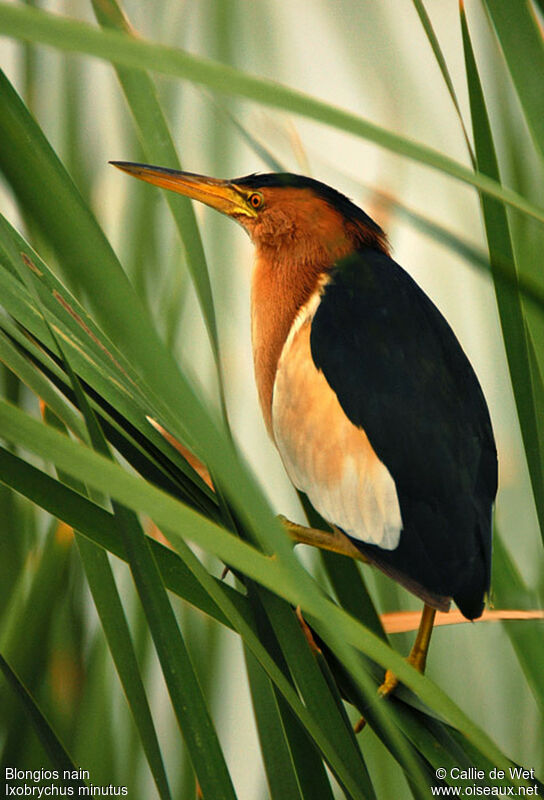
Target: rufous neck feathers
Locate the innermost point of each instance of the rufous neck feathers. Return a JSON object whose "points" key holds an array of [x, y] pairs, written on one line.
{"points": [[293, 256]]}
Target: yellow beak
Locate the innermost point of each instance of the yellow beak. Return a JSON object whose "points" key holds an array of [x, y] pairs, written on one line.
{"points": [[222, 195]]}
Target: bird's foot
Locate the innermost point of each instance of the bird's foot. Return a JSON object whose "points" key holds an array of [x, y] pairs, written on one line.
{"points": [[417, 658], [388, 686], [335, 540]]}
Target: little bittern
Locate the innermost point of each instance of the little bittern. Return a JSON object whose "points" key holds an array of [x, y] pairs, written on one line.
{"points": [[366, 392]]}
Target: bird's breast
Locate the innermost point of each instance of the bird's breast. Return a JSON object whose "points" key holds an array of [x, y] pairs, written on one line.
{"points": [[280, 291], [324, 454]]}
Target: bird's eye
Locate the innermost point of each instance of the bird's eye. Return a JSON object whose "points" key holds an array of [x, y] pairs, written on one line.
{"points": [[255, 200]]}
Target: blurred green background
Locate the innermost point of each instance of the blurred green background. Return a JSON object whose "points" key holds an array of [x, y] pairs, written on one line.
{"points": [[376, 60]]}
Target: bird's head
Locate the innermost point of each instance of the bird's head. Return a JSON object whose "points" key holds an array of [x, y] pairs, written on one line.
{"points": [[289, 214], [300, 228]]}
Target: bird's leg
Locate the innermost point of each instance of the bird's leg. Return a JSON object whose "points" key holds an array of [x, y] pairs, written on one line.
{"points": [[334, 540], [418, 653], [417, 657], [337, 542]]}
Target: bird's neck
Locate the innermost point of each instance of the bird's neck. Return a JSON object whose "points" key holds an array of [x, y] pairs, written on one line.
{"points": [[284, 281]]}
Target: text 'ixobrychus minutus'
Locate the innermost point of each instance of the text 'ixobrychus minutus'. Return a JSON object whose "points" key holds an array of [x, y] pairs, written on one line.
{"points": [[374, 407]]}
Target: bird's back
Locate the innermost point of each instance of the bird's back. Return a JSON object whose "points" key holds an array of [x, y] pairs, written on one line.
{"points": [[379, 417]]}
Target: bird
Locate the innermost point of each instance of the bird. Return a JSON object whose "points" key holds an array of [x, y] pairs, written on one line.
{"points": [[366, 392]]}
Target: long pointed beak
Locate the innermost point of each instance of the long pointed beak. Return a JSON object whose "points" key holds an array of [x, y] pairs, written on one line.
{"points": [[221, 195]]}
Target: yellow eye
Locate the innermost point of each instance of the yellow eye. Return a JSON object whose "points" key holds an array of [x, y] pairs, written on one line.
{"points": [[255, 200]]}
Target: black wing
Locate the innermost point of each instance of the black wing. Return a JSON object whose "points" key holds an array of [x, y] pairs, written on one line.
{"points": [[400, 374]]}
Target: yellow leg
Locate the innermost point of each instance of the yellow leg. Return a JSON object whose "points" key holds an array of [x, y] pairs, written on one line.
{"points": [[418, 653], [417, 657], [337, 542], [334, 540]]}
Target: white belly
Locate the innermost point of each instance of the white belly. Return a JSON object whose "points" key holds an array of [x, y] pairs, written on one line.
{"points": [[325, 455]]}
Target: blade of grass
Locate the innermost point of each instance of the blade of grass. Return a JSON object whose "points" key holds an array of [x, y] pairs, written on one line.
{"points": [[312, 685], [82, 245], [351, 591], [278, 627], [187, 700], [141, 256], [50, 741], [529, 288], [537, 376], [526, 638], [279, 760], [345, 578], [307, 764], [275, 667], [311, 773], [33, 25], [89, 254], [263, 657], [96, 360], [441, 61], [98, 525], [139, 451], [178, 579], [116, 631], [508, 300], [258, 147], [158, 147], [416, 728], [61, 303], [522, 44], [97, 741], [114, 625], [253, 509], [34, 379], [13, 545], [170, 564], [101, 581], [181, 523], [46, 577], [185, 692], [170, 389]]}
